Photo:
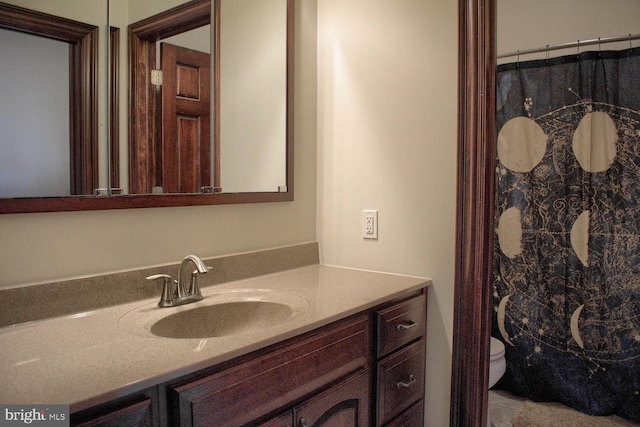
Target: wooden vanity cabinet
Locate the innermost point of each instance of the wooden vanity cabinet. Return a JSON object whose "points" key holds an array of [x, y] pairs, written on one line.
{"points": [[365, 370], [293, 375], [412, 417], [345, 404], [284, 420], [400, 367], [139, 409]]}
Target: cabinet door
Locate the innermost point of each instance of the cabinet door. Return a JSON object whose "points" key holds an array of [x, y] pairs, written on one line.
{"points": [[248, 391], [284, 420], [139, 415], [343, 405]]}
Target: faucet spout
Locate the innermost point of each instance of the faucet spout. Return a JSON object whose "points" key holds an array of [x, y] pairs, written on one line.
{"points": [[180, 295], [201, 268]]}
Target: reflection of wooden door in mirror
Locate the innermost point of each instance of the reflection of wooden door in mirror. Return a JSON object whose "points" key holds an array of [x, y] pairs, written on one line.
{"points": [[186, 148]]}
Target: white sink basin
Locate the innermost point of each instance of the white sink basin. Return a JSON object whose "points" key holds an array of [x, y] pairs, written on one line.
{"points": [[221, 313]]}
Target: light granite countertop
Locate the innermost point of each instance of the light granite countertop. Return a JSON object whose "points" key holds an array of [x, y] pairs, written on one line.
{"points": [[93, 357]]}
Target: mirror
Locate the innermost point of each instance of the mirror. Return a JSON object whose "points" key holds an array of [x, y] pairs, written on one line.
{"points": [[49, 87], [243, 140], [253, 99]]}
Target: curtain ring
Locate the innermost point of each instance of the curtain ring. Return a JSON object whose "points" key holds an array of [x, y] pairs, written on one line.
{"points": [[578, 47], [547, 49], [630, 44], [518, 58], [599, 48]]}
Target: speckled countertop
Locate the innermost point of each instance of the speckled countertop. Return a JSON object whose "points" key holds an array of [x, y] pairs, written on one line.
{"points": [[89, 358]]}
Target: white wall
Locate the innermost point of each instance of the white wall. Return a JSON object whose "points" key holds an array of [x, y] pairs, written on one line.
{"points": [[387, 110], [52, 246], [524, 24]]}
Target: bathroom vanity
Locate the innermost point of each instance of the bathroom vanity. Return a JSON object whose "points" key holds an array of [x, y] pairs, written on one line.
{"points": [[352, 355]]}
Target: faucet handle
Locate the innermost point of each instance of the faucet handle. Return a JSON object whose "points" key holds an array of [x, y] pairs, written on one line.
{"points": [[167, 291]]}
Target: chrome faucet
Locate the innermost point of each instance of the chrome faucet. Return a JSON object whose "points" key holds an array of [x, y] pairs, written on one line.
{"points": [[175, 292]]}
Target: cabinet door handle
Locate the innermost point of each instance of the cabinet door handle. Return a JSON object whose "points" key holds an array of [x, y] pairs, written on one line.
{"points": [[405, 326], [303, 422], [412, 380]]}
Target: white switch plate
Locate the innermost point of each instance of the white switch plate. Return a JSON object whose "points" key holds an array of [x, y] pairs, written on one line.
{"points": [[370, 224]]}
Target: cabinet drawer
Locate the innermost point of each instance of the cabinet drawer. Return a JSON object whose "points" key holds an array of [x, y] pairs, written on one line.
{"points": [[250, 390], [284, 420], [400, 324], [412, 417], [400, 381]]}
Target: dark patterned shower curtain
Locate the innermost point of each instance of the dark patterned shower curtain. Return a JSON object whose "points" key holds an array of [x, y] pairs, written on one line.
{"points": [[567, 259]]}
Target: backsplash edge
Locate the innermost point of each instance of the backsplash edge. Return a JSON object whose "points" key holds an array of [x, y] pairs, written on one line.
{"points": [[47, 300]]}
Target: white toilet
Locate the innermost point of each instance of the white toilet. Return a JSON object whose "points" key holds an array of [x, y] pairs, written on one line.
{"points": [[497, 362]]}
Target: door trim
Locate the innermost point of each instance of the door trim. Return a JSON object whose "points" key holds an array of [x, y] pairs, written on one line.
{"points": [[83, 80], [475, 213]]}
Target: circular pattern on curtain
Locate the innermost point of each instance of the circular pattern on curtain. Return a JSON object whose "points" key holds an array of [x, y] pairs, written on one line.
{"points": [[521, 146]]}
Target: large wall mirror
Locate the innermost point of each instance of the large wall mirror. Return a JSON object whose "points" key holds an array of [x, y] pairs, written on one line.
{"points": [[177, 103]]}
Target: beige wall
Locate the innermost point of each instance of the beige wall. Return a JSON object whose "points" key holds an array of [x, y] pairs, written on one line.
{"points": [[93, 12], [51, 246], [385, 82], [524, 24], [387, 107]]}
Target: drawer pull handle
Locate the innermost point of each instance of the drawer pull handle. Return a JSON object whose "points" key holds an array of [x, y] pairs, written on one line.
{"points": [[303, 422], [405, 326], [412, 380]]}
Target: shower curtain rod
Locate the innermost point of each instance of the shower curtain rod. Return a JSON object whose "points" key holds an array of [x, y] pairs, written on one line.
{"points": [[577, 44]]}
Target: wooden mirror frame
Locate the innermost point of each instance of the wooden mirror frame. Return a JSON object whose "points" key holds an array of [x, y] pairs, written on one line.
{"points": [[475, 213], [82, 203]]}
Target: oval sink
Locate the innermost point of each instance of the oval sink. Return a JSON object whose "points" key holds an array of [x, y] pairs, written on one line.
{"points": [[219, 320], [221, 313]]}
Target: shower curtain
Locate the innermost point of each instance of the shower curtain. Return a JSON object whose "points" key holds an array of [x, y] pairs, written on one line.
{"points": [[567, 258]]}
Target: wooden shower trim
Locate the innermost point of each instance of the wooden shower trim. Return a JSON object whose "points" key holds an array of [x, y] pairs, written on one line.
{"points": [[475, 210]]}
